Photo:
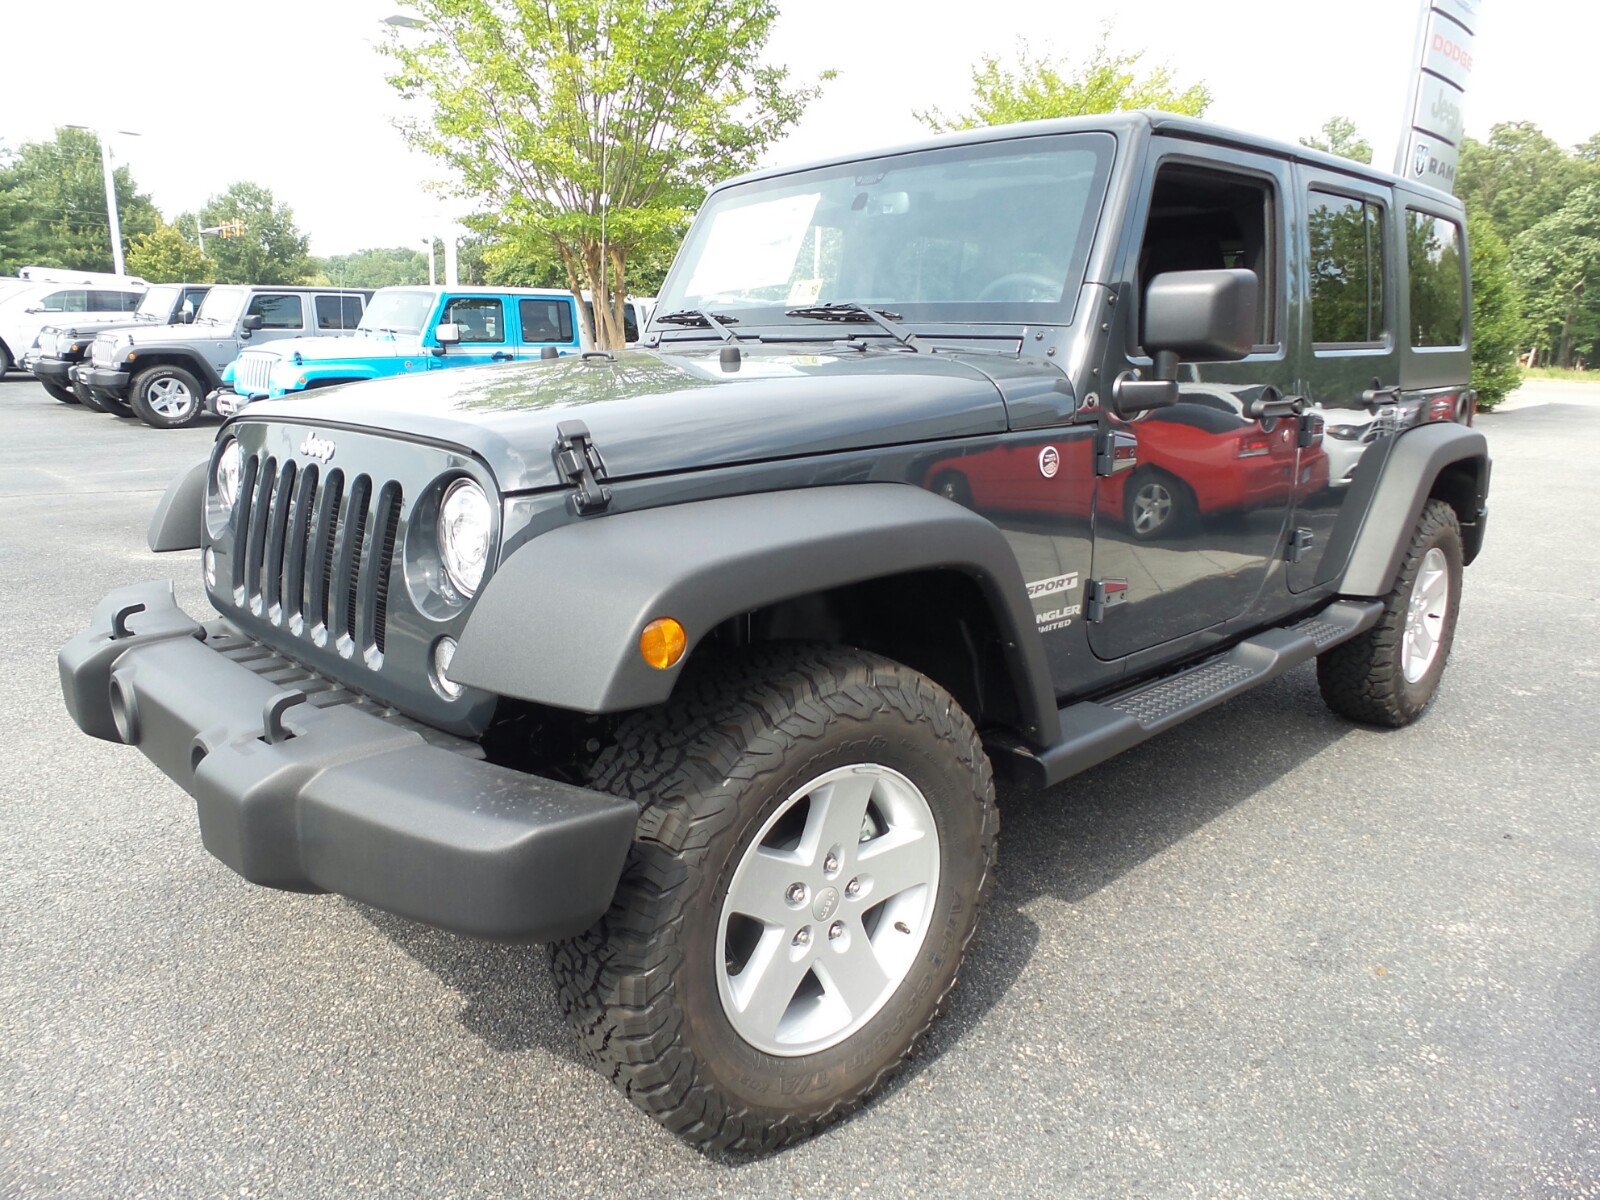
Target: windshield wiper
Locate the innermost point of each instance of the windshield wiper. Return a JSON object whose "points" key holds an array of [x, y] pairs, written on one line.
{"points": [[702, 319], [849, 310]]}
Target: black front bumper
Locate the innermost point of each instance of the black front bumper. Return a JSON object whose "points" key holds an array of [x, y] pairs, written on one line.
{"points": [[103, 380], [334, 795], [53, 370]]}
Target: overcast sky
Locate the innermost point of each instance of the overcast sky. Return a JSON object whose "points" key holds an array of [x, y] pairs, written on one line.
{"points": [[290, 93]]}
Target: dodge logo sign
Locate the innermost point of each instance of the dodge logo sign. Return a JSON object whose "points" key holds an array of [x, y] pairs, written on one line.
{"points": [[318, 448]]}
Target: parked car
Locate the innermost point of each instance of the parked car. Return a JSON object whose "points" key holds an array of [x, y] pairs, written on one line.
{"points": [[636, 312], [60, 348], [676, 659], [163, 375], [29, 304], [406, 330]]}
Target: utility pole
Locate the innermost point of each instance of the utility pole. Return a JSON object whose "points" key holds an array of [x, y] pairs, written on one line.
{"points": [[119, 265]]}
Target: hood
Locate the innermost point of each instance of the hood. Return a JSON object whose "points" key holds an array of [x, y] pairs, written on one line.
{"points": [[356, 345], [652, 412], [143, 333]]}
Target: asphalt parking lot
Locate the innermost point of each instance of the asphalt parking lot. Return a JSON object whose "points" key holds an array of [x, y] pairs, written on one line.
{"points": [[1270, 954]]}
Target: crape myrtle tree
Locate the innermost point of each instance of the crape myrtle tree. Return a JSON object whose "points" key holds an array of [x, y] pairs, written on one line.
{"points": [[1034, 89], [594, 127]]}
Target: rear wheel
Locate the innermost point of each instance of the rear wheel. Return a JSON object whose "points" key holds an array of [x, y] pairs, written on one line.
{"points": [[1389, 674], [166, 397], [65, 395], [816, 834]]}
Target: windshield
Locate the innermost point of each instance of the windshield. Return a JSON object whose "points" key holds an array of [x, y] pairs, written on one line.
{"points": [[397, 310], [997, 232], [156, 304], [222, 305]]}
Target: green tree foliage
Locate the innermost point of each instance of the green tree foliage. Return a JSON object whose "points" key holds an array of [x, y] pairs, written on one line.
{"points": [[271, 250], [596, 125], [1497, 324], [53, 205], [1340, 136], [1033, 89], [1558, 263], [1518, 177], [384, 266], [165, 256]]}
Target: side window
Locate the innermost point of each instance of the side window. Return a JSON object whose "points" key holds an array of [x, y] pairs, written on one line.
{"points": [[1346, 266], [71, 301], [277, 312], [1438, 283], [1204, 220], [113, 301], [630, 323], [338, 312], [191, 302], [546, 320], [479, 317]]}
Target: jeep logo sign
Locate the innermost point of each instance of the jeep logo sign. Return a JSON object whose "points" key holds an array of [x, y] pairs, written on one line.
{"points": [[318, 448]]}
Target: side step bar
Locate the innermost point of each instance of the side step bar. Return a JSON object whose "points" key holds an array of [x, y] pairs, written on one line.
{"points": [[1095, 730]]}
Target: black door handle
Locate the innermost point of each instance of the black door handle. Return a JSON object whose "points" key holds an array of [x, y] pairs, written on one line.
{"points": [[1272, 403], [501, 356], [1378, 394]]}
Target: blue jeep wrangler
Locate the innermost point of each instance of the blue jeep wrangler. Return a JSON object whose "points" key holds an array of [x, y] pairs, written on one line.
{"points": [[407, 330]]}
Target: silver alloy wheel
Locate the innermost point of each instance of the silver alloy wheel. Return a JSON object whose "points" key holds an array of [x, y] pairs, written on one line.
{"points": [[1430, 599], [170, 397], [827, 910], [1152, 507]]}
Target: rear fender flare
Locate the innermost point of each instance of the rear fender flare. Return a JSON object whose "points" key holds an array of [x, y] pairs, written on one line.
{"points": [[1410, 473], [559, 621]]}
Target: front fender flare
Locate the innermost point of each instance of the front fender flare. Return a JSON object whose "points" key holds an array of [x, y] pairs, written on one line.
{"points": [[559, 622], [179, 516]]}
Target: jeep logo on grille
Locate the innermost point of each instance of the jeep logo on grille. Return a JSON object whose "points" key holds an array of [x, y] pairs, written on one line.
{"points": [[320, 449]]}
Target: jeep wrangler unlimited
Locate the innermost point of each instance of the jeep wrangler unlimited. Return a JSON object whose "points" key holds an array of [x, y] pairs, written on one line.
{"points": [[996, 454], [163, 375]]}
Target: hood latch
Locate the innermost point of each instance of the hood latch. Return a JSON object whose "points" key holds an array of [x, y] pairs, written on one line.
{"points": [[580, 465]]}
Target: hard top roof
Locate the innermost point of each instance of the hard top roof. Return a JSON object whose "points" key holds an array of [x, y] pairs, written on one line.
{"points": [[1123, 124]]}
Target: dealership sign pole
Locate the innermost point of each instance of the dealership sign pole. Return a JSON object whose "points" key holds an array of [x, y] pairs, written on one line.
{"points": [[1430, 146]]}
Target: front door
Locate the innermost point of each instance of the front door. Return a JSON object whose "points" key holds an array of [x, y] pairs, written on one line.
{"points": [[1352, 369], [1194, 506], [485, 337]]}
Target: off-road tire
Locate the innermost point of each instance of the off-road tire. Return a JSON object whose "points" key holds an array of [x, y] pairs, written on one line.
{"points": [[140, 384], [87, 398], [737, 738], [65, 395], [1362, 679]]}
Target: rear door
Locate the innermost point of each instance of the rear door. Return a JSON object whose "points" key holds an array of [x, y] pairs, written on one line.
{"points": [[1352, 366], [485, 332], [337, 312], [1192, 516], [546, 321]]}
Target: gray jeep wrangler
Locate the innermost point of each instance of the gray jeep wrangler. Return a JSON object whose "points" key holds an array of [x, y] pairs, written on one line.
{"points": [[993, 455], [163, 375]]}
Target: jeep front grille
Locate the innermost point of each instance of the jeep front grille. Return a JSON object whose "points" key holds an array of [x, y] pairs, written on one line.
{"points": [[315, 551], [252, 373]]}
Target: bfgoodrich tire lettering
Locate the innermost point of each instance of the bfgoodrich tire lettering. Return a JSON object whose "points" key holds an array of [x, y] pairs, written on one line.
{"points": [[735, 743], [1366, 678]]}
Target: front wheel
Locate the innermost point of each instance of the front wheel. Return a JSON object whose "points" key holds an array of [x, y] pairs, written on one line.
{"points": [[1389, 674], [817, 832], [166, 397]]}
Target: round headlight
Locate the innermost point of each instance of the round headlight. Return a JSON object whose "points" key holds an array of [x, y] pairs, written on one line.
{"points": [[230, 466], [466, 523]]}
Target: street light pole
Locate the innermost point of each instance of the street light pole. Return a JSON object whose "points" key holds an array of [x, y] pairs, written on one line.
{"points": [[119, 265]]}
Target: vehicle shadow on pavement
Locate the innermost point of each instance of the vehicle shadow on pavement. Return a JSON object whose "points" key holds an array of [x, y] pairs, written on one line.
{"points": [[1065, 844]]}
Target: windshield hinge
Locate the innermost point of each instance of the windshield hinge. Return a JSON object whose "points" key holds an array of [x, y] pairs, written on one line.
{"points": [[580, 465]]}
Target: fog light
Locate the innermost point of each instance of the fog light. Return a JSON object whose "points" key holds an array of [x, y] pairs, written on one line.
{"points": [[210, 561], [662, 643], [444, 653]]}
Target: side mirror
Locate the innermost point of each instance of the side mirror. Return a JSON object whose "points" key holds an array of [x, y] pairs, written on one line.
{"points": [[1192, 316], [186, 313], [448, 334], [252, 323]]}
